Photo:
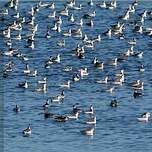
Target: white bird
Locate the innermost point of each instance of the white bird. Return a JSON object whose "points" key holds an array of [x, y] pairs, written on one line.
{"points": [[75, 116], [84, 72], [144, 117], [27, 69], [66, 85], [90, 111], [110, 89], [105, 80], [52, 15]]}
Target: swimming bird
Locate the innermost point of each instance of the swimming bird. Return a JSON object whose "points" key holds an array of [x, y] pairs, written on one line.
{"points": [[10, 52], [90, 14], [4, 12], [141, 68], [99, 65], [74, 116], [103, 81], [90, 111], [7, 32], [55, 59], [47, 104], [114, 103], [113, 62], [91, 3], [79, 7], [58, 21], [79, 23], [134, 84], [52, 15], [112, 5], [66, 85], [132, 42], [89, 44], [61, 43], [23, 85], [126, 16], [76, 109], [98, 39], [77, 33], [138, 29], [70, 3], [118, 81], [110, 89], [47, 5], [135, 2], [108, 33], [76, 78], [139, 86], [120, 74], [139, 54], [84, 72], [144, 117], [33, 73], [71, 19], [48, 35], [58, 98], [17, 108], [102, 5], [67, 33], [65, 12], [67, 69], [27, 131]]}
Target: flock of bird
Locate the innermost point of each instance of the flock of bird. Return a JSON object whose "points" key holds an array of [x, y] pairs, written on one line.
{"points": [[28, 22]]}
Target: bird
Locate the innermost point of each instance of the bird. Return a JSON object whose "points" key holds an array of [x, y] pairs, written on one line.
{"points": [[76, 109], [141, 68], [144, 117], [66, 85], [27, 131], [90, 111], [103, 81], [134, 84], [47, 104], [114, 103], [74, 116], [16, 109], [23, 85], [76, 78]]}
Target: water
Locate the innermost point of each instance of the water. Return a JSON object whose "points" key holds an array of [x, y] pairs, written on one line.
{"points": [[116, 129]]}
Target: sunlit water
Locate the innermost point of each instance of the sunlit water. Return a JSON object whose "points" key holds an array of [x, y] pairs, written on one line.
{"points": [[116, 129]]}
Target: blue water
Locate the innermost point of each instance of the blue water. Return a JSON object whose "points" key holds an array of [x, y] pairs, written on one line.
{"points": [[117, 129]]}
